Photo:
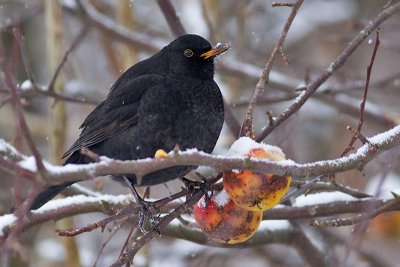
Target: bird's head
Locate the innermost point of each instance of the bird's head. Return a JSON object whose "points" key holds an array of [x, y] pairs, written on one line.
{"points": [[192, 55]]}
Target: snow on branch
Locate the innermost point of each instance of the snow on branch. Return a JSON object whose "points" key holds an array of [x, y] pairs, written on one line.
{"points": [[106, 166]]}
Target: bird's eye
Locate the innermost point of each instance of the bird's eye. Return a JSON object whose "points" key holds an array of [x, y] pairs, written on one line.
{"points": [[188, 53]]}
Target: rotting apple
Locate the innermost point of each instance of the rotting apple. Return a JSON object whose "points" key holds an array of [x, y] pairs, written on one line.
{"points": [[223, 221], [253, 190]]}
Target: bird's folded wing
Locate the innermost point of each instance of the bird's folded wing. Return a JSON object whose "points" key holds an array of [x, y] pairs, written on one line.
{"points": [[116, 113]]}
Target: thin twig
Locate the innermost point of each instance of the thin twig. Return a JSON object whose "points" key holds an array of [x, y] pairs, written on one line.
{"points": [[74, 44], [247, 126], [231, 121], [325, 210], [351, 221], [347, 105], [328, 187], [364, 100], [104, 244], [282, 4], [135, 230], [32, 93], [25, 60]]}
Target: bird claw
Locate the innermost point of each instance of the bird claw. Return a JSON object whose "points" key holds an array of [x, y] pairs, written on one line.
{"points": [[203, 186], [194, 185], [147, 210]]}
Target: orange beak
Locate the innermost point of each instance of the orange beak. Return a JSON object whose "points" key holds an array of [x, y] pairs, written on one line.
{"points": [[217, 50]]}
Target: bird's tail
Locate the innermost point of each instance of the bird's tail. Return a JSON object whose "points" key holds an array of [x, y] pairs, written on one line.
{"points": [[48, 194]]}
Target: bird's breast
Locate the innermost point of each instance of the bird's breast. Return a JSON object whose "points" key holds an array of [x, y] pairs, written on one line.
{"points": [[179, 111], [200, 120]]}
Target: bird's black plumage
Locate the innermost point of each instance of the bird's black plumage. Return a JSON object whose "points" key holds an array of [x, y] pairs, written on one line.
{"points": [[165, 100]]}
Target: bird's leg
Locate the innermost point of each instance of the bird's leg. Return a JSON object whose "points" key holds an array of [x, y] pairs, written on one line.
{"points": [[146, 208]]}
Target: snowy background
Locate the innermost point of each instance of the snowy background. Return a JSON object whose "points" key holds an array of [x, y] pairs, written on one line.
{"points": [[317, 132]]}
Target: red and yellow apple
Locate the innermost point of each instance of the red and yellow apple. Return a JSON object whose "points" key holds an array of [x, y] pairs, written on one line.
{"points": [[223, 221], [253, 190]]}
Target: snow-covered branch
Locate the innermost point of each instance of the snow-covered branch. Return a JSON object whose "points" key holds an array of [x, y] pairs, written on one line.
{"points": [[357, 160]]}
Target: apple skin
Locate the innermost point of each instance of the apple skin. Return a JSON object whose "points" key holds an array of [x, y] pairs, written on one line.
{"points": [[256, 191], [226, 223]]}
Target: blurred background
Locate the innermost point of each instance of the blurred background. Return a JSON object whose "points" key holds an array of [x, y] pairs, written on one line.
{"points": [[318, 131]]}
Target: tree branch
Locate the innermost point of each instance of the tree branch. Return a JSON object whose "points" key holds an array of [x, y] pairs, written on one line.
{"points": [[172, 18], [377, 144], [247, 126], [333, 67]]}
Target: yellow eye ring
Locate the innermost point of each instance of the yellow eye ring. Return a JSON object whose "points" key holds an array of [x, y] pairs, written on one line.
{"points": [[188, 53]]}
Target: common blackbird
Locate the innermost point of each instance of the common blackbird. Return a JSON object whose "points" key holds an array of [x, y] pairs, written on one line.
{"points": [[166, 100]]}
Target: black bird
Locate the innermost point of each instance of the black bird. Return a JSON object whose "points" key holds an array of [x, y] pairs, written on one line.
{"points": [[166, 100]]}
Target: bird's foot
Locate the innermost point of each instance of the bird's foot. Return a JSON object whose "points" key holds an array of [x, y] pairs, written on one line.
{"points": [[148, 210], [203, 186]]}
